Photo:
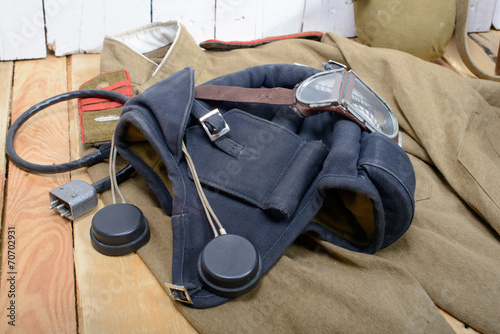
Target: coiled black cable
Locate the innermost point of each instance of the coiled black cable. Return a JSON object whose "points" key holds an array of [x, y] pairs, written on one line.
{"points": [[86, 161]]}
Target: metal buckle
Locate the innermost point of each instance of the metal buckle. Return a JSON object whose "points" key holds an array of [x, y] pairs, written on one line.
{"points": [[178, 293], [218, 134]]}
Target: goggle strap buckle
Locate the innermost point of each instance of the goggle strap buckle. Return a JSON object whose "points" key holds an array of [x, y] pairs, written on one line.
{"points": [[217, 128]]}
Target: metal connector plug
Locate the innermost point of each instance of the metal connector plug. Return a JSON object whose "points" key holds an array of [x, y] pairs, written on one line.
{"points": [[73, 199]]}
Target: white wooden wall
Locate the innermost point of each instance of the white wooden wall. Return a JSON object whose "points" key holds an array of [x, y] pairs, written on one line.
{"points": [[28, 27]]}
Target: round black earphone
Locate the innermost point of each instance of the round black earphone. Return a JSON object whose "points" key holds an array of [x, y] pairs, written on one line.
{"points": [[229, 266]]}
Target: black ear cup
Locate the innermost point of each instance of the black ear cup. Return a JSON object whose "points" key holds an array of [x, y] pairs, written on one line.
{"points": [[229, 266], [119, 229]]}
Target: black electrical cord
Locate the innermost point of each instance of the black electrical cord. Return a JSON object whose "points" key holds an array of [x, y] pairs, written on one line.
{"points": [[86, 161], [121, 176]]}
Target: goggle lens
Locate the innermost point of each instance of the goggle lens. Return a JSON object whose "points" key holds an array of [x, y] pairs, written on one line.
{"points": [[337, 86], [322, 89], [366, 105]]}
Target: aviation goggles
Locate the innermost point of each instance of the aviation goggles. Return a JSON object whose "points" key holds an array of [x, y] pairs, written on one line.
{"points": [[335, 90]]}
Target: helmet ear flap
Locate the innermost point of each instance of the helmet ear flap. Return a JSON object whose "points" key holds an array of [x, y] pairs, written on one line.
{"points": [[390, 170], [367, 190]]}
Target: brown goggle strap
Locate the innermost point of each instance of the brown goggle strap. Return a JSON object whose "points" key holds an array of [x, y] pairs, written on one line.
{"points": [[274, 96]]}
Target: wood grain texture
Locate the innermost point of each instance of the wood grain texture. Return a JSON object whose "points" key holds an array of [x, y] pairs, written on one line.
{"points": [[451, 59], [458, 326], [488, 42], [479, 48], [115, 294], [42, 276], [6, 76], [481, 54]]}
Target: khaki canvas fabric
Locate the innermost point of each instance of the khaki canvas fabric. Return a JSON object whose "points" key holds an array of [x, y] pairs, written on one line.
{"points": [[450, 256], [422, 28]]}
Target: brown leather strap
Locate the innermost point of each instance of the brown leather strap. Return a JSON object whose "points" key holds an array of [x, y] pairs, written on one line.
{"points": [[274, 96]]}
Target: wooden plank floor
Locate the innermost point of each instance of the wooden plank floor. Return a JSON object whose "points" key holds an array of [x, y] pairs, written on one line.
{"points": [[52, 281]]}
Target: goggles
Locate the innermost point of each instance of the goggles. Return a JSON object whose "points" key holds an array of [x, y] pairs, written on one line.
{"points": [[345, 89], [335, 90]]}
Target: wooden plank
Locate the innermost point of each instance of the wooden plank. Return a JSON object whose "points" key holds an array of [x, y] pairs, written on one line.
{"points": [[120, 16], [80, 26], [458, 326], [81, 69], [197, 16], [37, 256], [496, 16], [480, 15], [63, 21], [128, 298], [6, 73], [22, 30], [335, 15], [484, 60], [488, 42], [239, 20], [282, 17], [452, 59]]}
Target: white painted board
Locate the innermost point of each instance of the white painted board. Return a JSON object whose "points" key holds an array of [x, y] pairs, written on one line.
{"points": [[480, 15], [496, 16], [282, 17], [120, 15], [242, 20], [239, 20], [331, 15], [79, 26], [197, 16], [22, 30]]}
